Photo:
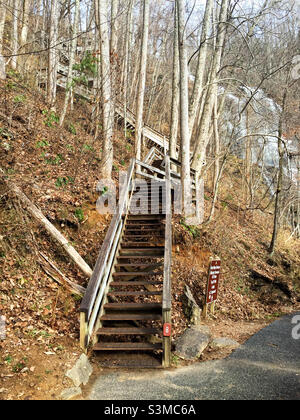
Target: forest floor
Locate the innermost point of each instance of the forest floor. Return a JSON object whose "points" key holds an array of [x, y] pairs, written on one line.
{"points": [[58, 169]]}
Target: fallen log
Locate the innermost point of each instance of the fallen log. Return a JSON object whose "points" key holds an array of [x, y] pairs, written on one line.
{"points": [[55, 233], [51, 270]]}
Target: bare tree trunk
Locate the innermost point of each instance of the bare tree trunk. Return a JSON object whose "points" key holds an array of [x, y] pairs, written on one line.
{"points": [[71, 62], [184, 111], [126, 62], [25, 21], [2, 23], [2, 60], [201, 65], [14, 34], [175, 89], [114, 27], [216, 162], [107, 100], [142, 81], [52, 55], [278, 203], [202, 141], [248, 164]]}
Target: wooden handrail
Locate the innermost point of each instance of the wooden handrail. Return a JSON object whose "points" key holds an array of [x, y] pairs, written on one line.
{"points": [[168, 241], [100, 274], [167, 285]]}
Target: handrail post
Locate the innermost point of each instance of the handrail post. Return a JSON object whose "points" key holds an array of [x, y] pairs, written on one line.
{"points": [[167, 299]]}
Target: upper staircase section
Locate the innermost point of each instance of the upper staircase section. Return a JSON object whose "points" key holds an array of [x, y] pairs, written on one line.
{"points": [[154, 137]]}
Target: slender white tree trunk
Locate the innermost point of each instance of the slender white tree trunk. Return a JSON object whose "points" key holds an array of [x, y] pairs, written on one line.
{"points": [[107, 104], [25, 21], [126, 62], [71, 62], [142, 81], [2, 60], [2, 23], [52, 55], [114, 27], [201, 65], [175, 89], [184, 111], [203, 139], [14, 34]]}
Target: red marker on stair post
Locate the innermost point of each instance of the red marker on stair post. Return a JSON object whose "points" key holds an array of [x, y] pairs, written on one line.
{"points": [[167, 330]]}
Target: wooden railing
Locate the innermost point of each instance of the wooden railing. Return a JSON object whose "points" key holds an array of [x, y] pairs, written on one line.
{"points": [[167, 285], [94, 298]]}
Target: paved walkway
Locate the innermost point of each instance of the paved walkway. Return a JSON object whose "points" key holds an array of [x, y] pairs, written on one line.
{"points": [[267, 366]]}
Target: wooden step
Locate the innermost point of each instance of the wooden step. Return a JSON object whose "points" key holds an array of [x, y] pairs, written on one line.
{"points": [[146, 196], [132, 306], [145, 293], [127, 346], [128, 331], [145, 252], [140, 265], [135, 283], [146, 217], [130, 244], [137, 273], [158, 231], [143, 229], [145, 236], [140, 247], [139, 256], [144, 222], [138, 316]]}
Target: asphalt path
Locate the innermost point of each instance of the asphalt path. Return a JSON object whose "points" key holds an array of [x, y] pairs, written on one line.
{"points": [[265, 367]]}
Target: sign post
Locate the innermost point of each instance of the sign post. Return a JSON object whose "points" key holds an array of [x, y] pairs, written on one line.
{"points": [[212, 284]]}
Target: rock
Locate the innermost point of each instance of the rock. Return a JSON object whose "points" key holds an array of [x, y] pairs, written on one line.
{"points": [[81, 372], [69, 393], [191, 309], [223, 342], [193, 342]]}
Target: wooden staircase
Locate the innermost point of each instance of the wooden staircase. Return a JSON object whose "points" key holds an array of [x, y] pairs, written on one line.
{"points": [[134, 311], [129, 293], [126, 309]]}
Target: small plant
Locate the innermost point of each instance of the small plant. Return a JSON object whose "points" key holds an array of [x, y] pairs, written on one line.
{"points": [[55, 161], [88, 148], [18, 367], [8, 359], [79, 215], [51, 118], [63, 181], [19, 99], [175, 359], [192, 230], [70, 147], [41, 144], [72, 129]]}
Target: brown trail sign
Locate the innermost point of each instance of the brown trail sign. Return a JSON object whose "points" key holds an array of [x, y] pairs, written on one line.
{"points": [[212, 283]]}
